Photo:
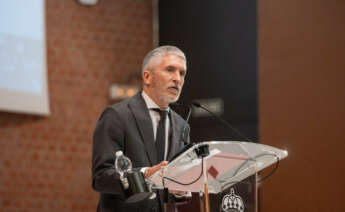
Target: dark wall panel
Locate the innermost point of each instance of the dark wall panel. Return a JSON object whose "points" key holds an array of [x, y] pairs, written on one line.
{"points": [[220, 42]]}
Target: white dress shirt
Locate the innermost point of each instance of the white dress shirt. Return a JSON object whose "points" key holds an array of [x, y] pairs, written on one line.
{"points": [[155, 118]]}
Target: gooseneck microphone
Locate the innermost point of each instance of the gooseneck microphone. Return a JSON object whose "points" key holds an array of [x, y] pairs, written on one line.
{"points": [[198, 105], [223, 121]]}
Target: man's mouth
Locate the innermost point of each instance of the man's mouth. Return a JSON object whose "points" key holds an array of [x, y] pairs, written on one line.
{"points": [[174, 89]]}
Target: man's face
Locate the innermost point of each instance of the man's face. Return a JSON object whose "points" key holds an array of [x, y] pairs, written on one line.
{"points": [[164, 81]]}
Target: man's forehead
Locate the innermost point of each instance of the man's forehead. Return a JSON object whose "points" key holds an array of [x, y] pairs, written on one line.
{"points": [[171, 59]]}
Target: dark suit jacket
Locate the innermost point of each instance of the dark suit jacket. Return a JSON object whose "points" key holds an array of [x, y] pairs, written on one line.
{"points": [[127, 126]]}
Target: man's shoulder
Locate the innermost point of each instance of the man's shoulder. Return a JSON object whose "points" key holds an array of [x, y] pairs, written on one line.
{"points": [[119, 105], [124, 104], [118, 111]]}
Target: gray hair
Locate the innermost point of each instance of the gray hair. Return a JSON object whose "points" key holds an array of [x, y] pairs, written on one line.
{"points": [[158, 53]]}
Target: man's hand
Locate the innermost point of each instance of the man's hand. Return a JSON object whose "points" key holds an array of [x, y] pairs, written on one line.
{"points": [[151, 170]]}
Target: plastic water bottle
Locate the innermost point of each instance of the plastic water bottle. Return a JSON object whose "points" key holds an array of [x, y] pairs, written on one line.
{"points": [[123, 165]]}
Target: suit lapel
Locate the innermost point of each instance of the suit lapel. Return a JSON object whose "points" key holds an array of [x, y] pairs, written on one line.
{"points": [[144, 124], [175, 137]]}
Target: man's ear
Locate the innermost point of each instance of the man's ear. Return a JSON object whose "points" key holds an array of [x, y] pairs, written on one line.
{"points": [[147, 77]]}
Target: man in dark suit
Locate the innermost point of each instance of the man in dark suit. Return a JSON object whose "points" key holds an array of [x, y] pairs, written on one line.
{"points": [[136, 127]]}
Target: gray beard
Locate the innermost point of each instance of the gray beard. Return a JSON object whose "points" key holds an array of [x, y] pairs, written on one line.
{"points": [[170, 100]]}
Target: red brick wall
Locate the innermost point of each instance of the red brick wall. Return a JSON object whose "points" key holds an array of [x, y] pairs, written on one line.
{"points": [[45, 161]]}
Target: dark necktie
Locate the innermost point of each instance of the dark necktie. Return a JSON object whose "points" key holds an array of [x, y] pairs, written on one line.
{"points": [[160, 136]]}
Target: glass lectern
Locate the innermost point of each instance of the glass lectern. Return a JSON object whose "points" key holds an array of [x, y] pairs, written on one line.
{"points": [[225, 164]]}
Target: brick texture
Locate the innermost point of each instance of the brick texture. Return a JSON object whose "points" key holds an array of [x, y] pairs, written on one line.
{"points": [[45, 162]]}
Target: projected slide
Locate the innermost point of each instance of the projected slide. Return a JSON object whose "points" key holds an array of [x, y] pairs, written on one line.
{"points": [[23, 84], [20, 68]]}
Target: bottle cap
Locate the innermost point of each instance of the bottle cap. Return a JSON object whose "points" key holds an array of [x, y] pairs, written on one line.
{"points": [[119, 153]]}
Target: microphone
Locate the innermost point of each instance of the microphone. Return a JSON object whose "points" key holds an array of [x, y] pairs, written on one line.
{"points": [[198, 105]]}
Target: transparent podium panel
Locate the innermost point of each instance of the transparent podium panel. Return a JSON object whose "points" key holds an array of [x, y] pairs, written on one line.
{"points": [[228, 163]]}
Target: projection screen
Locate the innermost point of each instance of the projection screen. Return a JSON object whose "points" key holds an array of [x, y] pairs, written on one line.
{"points": [[23, 68]]}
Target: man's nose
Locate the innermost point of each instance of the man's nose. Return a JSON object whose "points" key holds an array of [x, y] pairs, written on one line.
{"points": [[177, 77]]}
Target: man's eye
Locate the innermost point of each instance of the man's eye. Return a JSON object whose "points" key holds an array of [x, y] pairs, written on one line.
{"points": [[170, 69]]}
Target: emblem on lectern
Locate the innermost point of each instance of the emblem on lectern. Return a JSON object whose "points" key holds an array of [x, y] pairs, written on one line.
{"points": [[232, 202]]}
